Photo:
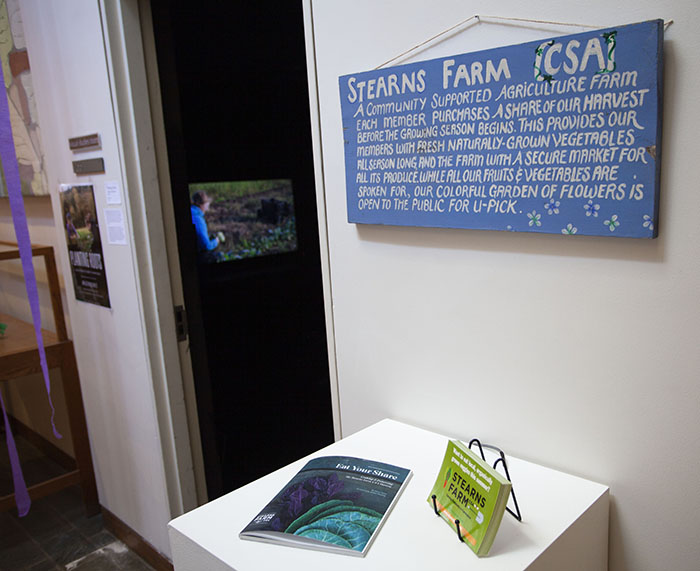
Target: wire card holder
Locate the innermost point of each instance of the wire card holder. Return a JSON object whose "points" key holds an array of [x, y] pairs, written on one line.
{"points": [[500, 460]]}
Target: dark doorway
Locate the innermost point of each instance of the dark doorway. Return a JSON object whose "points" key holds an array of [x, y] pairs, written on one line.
{"points": [[235, 100]]}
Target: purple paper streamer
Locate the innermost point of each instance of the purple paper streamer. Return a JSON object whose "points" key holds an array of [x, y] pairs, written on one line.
{"points": [[21, 494], [8, 158]]}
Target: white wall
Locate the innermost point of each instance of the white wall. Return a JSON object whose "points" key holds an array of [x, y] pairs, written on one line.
{"points": [[583, 354], [79, 79]]}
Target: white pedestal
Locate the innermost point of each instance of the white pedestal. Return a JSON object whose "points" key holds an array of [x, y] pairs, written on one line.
{"points": [[565, 518]]}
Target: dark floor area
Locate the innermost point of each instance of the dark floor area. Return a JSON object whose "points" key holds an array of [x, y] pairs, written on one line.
{"points": [[56, 534]]}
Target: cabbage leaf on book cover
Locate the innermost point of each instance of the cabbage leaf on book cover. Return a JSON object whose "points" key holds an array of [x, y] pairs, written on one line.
{"points": [[334, 503]]}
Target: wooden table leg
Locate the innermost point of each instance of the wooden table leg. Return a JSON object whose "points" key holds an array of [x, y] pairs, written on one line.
{"points": [[78, 427]]}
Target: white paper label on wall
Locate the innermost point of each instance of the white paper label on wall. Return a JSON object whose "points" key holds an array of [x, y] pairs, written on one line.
{"points": [[116, 230], [112, 193]]}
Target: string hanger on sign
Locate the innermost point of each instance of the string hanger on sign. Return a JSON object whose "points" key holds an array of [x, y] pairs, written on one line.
{"points": [[481, 18]]}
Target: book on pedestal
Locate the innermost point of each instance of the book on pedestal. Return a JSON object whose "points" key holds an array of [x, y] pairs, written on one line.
{"points": [[470, 496], [334, 503]]}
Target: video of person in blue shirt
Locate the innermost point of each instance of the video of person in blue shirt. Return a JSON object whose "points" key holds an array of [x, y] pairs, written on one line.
{"points": [[243, 219]]}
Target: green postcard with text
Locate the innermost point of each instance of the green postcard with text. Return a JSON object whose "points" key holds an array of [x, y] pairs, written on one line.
{"points": [[471, 492]]}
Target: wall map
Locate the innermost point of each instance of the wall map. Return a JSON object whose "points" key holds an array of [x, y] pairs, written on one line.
{"points": [[558, 136]]}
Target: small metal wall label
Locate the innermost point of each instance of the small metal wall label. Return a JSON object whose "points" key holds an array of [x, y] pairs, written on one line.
{"points": [[84, 142], [89, 166]]}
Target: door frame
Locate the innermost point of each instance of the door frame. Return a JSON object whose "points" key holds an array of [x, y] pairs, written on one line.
{"points": [[139, 113], [315, 113], [130, 54]]}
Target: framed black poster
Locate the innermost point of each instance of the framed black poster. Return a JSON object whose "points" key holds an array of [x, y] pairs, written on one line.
{"points": [[84, 243]]}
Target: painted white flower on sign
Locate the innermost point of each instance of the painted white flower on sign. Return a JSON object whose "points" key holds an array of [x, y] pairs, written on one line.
{"points": [[569, 230], [534, 219], [592, 209], [612, 223], [552, 207]]}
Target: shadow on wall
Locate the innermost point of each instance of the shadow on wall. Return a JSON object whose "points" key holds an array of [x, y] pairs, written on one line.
{"points": [[632, 249], [616, 550]]}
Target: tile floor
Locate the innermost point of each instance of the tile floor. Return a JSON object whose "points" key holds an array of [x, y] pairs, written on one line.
{"points": [[56, 534]]}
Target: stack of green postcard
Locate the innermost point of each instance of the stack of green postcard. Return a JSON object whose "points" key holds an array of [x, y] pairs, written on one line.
{"points": [[471, 492]]}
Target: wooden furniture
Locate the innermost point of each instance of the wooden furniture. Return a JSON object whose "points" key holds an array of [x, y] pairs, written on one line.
{"points": [[565, 518], [19, 357]]}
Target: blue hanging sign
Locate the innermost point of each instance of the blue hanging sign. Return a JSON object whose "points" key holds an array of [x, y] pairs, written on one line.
{"points": [[558, 136]]}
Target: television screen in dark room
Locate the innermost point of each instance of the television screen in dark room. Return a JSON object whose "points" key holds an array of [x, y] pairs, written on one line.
{"points": [[243, 219]]}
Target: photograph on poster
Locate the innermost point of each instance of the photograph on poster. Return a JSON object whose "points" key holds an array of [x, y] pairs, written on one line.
{"points": [[560, 135], [243, 219], [84, 243]]}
